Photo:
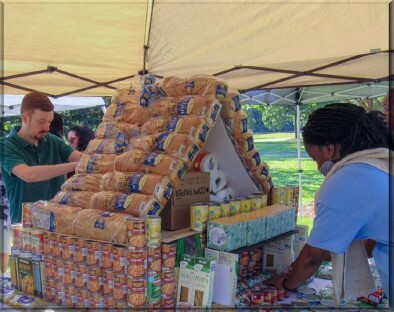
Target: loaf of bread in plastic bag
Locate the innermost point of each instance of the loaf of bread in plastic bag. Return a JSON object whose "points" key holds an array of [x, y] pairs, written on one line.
{"points": [[53, 217], [83, 182], [101, 225]]}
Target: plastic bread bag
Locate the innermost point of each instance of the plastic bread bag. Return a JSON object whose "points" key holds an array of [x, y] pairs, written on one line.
{"points": [[131, 161], [162, 164], [73, 198], [178, 145], [142, 142], [96, 163], [231, 104], [110, 130], [195, 85], [83, 182], [53, 217], [138, 182], [130, 113], [107, 146], [134, 204], [101, 225]]}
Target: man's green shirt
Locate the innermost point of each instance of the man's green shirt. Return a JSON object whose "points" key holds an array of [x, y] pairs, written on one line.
{"points": [[14, 151]]}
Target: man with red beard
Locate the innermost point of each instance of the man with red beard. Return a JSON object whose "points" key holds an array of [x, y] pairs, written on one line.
{"points": [[34, 161]]}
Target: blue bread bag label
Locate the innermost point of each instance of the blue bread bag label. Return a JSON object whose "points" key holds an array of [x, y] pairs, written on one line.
{"points": [[120, 202], [134, 182]]}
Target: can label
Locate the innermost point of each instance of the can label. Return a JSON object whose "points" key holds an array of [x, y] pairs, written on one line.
{"points": [[198, 217], [154, 288]]}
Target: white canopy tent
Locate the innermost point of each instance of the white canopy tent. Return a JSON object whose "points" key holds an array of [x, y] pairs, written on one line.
{"points": [[287, 48], [12, 103], [87, 48]]}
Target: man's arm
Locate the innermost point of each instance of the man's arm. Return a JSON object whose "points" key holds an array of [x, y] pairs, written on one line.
{"points": [[305, 266], [75, 156], [42, 173]]}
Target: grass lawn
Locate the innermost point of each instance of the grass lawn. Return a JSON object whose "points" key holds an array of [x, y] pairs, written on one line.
{"points": [[279, 151]]}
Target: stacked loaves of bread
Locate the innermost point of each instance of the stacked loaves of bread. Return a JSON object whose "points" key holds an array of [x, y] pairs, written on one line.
{"points": [[143, 147], [236, 122]]}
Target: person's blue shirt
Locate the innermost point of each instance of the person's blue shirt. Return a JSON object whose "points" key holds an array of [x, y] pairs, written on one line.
{"points": [[354, 205]]}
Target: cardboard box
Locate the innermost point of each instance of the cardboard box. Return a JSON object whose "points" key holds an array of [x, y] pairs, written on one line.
{"points": [[13, 263], [193, 188], [301, 236], [25, 276], [39, 278], [195, 283]]}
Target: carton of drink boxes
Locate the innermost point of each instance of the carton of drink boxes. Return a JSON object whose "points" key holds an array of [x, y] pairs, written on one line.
{"points": [[195, 281], [249, 228], [27, 275]]}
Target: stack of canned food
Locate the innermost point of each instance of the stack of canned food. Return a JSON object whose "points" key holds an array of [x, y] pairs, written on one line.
{"points": [[200, 214], [252, 291]]}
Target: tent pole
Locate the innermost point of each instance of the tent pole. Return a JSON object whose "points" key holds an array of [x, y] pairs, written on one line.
{"points": [[299, 153]]}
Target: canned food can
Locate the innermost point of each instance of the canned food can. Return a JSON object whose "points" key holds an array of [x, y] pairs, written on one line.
{"points": [[80, 250], [225, 209], [120, 291], [109, 302], [276, 195], [245, 205], [257, 298], [68, 248], [93, 257], [214, 211], [264, 200], [137, 294], [167, 248], [119, 259], [235, 207], [254, 203], [37, 240], [136, 233], [154, 262], [96, 299], [17, 235], [26, 215], [168, 262], [154, 288], [56, 245], [153, 230], [290, 194], [198, 217], [26, 243], [137, 264]]}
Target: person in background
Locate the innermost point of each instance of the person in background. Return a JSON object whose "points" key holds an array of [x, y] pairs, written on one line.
{"points": [[388, 108], [57, 125], [5, 227], [80, 136], [351, 149], [34, 161]]}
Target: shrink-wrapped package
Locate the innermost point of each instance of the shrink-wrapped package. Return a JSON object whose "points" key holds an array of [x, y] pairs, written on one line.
{"points": [[129, 112], [101, 225], [138, 205], [107, 146], [110, 130], [73, 198], [96, 163], [138, 182], [53, 217], [83, 182], [195, 85]]}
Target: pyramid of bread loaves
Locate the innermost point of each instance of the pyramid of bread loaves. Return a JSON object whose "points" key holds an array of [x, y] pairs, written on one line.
{"points": [[149, 137]]}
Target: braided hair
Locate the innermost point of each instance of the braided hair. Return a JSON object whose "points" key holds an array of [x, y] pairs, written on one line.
{"points": [[348, 125]]}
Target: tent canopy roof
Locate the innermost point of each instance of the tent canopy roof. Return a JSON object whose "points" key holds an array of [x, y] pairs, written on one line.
{"points": [[89, 48]]}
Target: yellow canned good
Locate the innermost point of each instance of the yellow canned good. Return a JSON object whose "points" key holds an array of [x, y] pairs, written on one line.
{"points": [[255, 202], [245, 205], [235, 207], [153, 231], [291, 195], [264, 200], [276, 195], [198, 217], [225, 209], [214, 211]]}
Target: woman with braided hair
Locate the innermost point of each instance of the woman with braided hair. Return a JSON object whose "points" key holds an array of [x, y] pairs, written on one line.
{"points": [[351, 149]]}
